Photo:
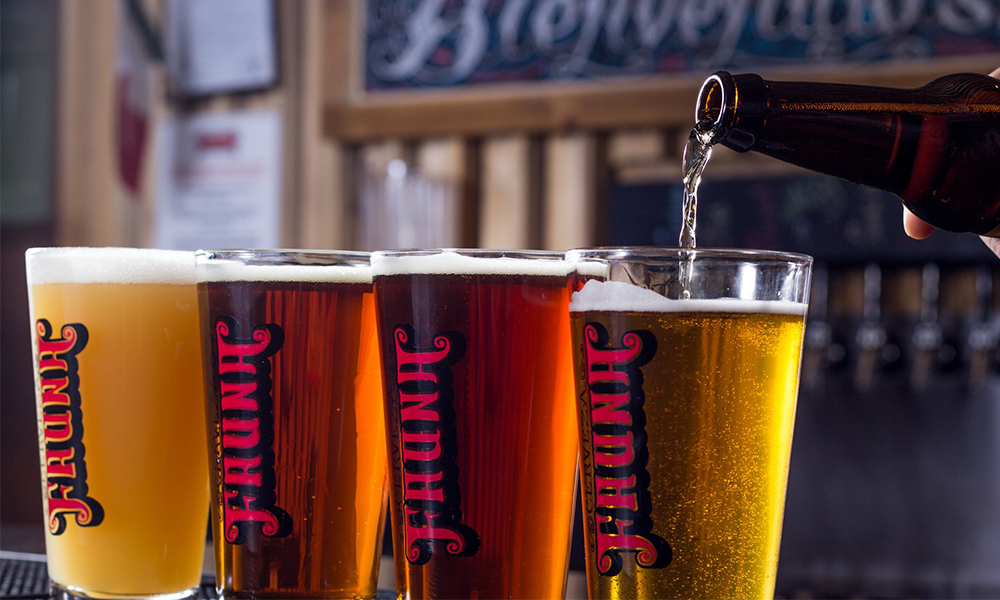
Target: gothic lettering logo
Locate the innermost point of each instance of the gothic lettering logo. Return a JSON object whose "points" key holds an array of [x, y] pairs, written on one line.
{"points": [[247, 431], [62, 428], [618, 423], [431, 497]]}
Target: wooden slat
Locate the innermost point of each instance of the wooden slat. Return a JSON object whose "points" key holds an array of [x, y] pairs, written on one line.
{"points": [[636, 147], [343, 27], [506, 193], [375, 158], [370, 167], [662, 101], [471, 201], [91, 209], [291, 44], [725, 164], [568, 219], [513, 109], [444, 159], [322, 193]]}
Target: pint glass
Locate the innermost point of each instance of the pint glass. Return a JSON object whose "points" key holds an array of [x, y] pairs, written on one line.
{"points": [[118, 383], [297, 461], [686, 379], [481, 422]]}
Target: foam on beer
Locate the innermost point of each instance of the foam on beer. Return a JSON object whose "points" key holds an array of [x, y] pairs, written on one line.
{"points": [[225, 271], [109, 265], [453, 263], [620, 296]]}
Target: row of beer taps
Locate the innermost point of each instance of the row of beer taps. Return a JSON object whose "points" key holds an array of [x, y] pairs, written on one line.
{"points": [[910, 325]]}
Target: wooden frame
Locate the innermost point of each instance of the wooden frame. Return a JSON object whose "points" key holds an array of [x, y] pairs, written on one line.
{"points": [[353, 115]]}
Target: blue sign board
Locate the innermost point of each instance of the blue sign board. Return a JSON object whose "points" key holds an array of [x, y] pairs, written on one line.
{"points": [[443, 43]]}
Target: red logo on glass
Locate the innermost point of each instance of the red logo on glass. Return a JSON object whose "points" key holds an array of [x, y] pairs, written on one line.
{"points": [[432, 512], [248, 485], [62, 428], [618, 425]]}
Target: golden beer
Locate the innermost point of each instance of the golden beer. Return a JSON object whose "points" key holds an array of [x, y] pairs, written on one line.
{"points": [[121, 419], [686, 415]]}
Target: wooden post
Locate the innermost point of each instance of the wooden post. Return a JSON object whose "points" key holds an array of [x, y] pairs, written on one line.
{"points": [[568, 220], [506, 193], [91, 208], [323, 195], [444, 159]]}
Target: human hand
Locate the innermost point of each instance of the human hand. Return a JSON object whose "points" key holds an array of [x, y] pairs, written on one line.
{"points": [[918, 229]]}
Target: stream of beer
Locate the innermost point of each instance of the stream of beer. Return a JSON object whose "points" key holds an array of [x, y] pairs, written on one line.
{"points": [[696, 153]]}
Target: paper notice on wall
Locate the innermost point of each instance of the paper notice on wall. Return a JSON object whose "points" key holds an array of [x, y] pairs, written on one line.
{"points": [[217, 46], [219, 181]]}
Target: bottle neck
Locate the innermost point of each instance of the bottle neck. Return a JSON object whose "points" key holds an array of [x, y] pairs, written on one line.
{"points": [[934, 146], [732, 110]]}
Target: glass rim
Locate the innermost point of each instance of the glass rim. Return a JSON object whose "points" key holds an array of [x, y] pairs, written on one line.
{"points": [[274, 254], [473, 252], [672, 252], [283, 266], [470, 262]]}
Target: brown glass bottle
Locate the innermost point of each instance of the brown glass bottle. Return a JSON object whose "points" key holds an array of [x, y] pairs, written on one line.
{"points": [[937, 147]]}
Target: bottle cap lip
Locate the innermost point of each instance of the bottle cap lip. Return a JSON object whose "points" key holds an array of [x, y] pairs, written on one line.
{"points": [[715, 102], [731, 110]]}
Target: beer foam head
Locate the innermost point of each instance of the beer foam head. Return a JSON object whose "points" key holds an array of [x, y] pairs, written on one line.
{"points": [[591, 268], [619, 296], [109, 265], [451, 262], [232, 271]]}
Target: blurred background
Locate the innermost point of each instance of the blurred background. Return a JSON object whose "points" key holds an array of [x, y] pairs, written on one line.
{"points": [[357, 124]]}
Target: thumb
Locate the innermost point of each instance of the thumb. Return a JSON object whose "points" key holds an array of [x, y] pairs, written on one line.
{"points": [[914, 227]]}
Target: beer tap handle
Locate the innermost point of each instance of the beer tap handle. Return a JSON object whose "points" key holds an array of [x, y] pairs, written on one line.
{"points": [[871, 336], [818, 332], [927, 336], [983, 335]]}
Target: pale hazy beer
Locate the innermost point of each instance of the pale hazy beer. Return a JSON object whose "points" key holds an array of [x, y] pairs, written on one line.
{"points": [[121, 421], [298, 461], [686, 409], [481, 421]]}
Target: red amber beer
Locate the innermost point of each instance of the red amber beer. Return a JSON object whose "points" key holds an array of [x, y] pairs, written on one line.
{"points": [[119, 389], [481, 423], [294, 423], [686, 410]]}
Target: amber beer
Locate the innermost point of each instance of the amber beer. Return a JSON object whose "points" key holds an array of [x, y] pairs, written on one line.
{"points": [[295, 423], [686, 411], [119, 395], [482, 429]]}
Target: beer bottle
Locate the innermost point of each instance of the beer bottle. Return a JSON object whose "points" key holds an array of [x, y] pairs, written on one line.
{"points": [[937, 147]]}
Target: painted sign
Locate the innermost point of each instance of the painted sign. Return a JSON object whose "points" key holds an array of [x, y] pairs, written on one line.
{"points": [[443, 43]]}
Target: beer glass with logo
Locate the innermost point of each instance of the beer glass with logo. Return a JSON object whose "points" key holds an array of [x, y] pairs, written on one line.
{"points": [[297, 461], [481, 422], [118, 382], [687, 375]]}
